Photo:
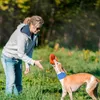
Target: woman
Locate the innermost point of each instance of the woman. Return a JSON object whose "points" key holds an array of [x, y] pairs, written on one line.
{"points": [[19, 48]]}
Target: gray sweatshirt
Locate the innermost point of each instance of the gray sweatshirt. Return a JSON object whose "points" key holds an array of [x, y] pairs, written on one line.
{"points": [[21, 45]]}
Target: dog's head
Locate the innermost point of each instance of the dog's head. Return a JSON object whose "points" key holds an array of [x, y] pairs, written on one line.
{"points": [[56, 65]]}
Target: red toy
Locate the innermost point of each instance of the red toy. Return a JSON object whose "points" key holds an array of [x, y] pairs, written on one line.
{"points": [[52, 57]]}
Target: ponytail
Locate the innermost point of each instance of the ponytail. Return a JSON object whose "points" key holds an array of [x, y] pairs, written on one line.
{"points": [[27, 20]]}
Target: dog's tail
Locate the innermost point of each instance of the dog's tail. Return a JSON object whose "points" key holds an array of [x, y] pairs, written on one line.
{"points": [[98, 80]]}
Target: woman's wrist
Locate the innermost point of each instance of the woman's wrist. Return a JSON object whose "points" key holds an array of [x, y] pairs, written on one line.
{"points": [[33, 62]]}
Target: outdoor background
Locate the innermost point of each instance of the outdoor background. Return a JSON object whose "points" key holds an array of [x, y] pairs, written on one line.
{"points": [[71, 31]]}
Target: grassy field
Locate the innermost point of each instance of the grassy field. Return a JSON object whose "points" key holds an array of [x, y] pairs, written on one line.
{"points": [[44, 85]]}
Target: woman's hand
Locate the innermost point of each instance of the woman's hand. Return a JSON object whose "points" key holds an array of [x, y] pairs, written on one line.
{"points": [[38, 64], [27, 71]]}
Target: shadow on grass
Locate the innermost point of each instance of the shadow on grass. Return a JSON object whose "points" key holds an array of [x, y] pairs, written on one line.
{"points": [[95, 72], [54, 90]]}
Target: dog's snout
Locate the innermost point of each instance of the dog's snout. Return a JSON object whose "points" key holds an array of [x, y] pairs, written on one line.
{"points": [[56, 62]]}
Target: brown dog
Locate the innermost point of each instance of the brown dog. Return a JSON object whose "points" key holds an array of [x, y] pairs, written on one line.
{"points": [[70, 83]]}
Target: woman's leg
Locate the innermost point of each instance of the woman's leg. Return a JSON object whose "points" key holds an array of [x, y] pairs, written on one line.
{"points": [[18, 77], [8, 66]]}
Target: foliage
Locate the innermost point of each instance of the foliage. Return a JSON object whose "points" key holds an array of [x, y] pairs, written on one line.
{"points": [[69, 22]]}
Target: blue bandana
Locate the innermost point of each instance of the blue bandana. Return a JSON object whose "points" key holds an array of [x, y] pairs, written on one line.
{"points": [[61, 75]]}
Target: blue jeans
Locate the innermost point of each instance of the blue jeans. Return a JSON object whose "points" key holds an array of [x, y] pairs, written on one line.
{"points": [[13, 72]]}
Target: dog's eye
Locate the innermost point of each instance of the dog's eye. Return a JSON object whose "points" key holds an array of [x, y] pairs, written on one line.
{"points": [[57, 63]]}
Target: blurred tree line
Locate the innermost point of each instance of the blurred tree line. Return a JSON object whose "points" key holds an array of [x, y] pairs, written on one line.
{"points": [[71, 23]]}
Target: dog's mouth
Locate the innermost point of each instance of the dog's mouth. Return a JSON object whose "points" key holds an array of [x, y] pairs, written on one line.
{"points": [[53, 65]]}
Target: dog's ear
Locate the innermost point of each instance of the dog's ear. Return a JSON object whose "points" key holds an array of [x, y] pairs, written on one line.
{"points": [[60, 67], [64, 70]]}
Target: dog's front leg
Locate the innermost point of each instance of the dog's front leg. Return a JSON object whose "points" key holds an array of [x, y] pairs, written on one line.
{"points": [[70, 94], [64, 92]]}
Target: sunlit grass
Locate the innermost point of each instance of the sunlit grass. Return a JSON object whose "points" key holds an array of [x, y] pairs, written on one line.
{"points": [[44, 85]]}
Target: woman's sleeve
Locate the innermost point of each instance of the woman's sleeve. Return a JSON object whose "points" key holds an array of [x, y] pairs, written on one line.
{"points": [[21, 42], [30, 55]]}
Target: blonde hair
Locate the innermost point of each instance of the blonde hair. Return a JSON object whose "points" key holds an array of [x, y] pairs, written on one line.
{"points": [[26, 20], [34, 20]]}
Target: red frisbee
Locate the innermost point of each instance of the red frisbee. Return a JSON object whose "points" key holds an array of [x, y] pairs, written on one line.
{"points": [[52, 57]]}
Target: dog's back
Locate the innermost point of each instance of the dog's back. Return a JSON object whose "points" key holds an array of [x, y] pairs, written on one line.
{"points": [[76, 80], [79, 77]]}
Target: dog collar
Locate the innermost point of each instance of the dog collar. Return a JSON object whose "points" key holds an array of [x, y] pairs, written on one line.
{"points": [[61, 75]]}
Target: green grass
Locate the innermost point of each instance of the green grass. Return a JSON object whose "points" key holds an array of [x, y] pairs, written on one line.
{"points": [[44, 85]]}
